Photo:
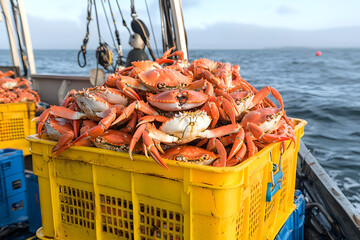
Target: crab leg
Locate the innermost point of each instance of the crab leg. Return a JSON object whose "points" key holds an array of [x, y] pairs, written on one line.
{"points": [[128, 91], [264, 92], [87, 125], [250, 145], [138, 133], [152, 118], [150, 147], [266, 137], [239, 157], [221, 131], [212, 110], [221, 162], [239, 141], [41, 121], [140, 105], [66, 113], [104, 124]]}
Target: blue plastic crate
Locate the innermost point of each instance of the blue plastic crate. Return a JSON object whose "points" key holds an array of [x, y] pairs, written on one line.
{"points": [[13, 203], [13, 209], [32, 194], [293, 228], [11, 162]]}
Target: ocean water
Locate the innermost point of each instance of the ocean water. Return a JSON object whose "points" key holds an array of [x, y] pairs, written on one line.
{"points": [[325, 91]]}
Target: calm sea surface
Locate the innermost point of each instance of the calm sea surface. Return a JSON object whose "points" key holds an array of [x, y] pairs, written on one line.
{"points": [[324, 90]]}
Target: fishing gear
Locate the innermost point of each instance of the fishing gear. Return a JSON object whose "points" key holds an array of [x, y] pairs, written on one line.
{"points": [[120, 60], [140, 28], [103, 52], [86, 39]]}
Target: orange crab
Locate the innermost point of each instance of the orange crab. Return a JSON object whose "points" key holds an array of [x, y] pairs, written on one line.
{"points": [[190, 154], [262, 125], [183, 128]]}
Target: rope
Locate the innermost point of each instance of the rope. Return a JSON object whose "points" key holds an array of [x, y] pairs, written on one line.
{"points": [[86, 39], [120, 53], [152, 29], [107, 21], [97, 22], [122, 17]]}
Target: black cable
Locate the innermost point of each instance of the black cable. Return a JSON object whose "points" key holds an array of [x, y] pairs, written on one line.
{"points": [[152, 29], [97, 22], [122, 17], [107, 21], [120, 53], [86, 39]]}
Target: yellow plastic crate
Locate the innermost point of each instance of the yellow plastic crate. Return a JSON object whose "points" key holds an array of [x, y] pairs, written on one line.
{"points": [[16, 125], [92, 193]]}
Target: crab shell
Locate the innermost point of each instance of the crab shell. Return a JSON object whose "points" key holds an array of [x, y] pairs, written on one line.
{"points": [[243, 101], [91, 104], [164, 79], [56, 128], [114, 140], [110, 95], [191, 154], [266, 118], [176, 100], [187, 126]]}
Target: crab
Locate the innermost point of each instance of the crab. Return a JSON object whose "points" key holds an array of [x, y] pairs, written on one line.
{"points": [[262, 125], [11, 83], [180, 100], [245, 100], [115, 140], [183, 128], [190, 154]]}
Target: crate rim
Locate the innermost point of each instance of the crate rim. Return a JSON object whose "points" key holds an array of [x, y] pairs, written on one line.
{"points": [[139, 157], [31, 104]]}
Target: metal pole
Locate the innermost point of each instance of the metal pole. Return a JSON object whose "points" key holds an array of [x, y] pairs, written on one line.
{"points": [[179, 27], [27, 38], [10, 29]]}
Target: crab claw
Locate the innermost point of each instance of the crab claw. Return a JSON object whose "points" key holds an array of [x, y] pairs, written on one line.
{"points": [[42, 120], [128, 91], [140, 105], [138, 133], [221, 162], [101, 127], [150, 147], [239, 157], [239, 141], [266, 137]]}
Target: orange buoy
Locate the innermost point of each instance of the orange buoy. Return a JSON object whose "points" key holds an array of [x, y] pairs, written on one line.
{"points": [[318, 53]]}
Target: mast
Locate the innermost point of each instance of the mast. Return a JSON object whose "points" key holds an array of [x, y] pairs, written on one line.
{"points": [[10, 29], [172, 26], [179, 27], [27, 39]]}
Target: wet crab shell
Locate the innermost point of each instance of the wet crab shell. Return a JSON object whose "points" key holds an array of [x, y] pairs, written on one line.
{"points": [[190, 154], [187, 125], [114, 140], [164, 79]]}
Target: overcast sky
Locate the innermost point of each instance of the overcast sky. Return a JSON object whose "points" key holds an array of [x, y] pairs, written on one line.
{"points": [[210, 24]]}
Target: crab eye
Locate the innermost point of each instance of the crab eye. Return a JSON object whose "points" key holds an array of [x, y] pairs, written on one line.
{"points": [[205, 157], [179, 158], [160, 85]]}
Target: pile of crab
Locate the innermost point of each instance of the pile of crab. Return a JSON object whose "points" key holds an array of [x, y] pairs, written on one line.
{"points": [[15, 90], [201, 112]]}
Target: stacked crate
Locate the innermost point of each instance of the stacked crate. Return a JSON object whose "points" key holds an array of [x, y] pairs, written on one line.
{"points": [[16, 125], [13, 204], [293, 228]]}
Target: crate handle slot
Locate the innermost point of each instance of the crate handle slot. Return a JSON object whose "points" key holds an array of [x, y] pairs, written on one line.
{"points": [[6, 165], [276, 180]]}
